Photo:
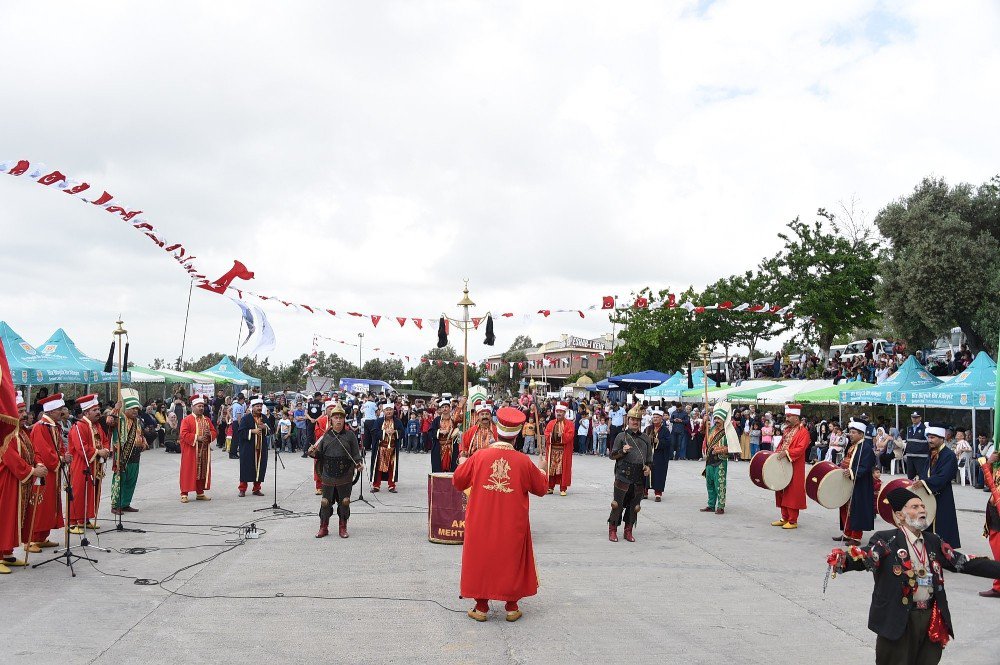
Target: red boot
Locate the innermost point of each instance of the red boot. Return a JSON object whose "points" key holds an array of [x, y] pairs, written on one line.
{"points": [[324, 529], [628, 533], [613, 533], [343, 528]]}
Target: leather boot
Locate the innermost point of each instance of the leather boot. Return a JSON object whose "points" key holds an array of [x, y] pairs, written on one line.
{"points": [[343, 528], [613, 533], [324, 528], [628, 533]]}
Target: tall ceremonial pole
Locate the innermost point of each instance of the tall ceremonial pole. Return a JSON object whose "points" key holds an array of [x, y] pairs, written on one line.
{"points": [[704, 353], [465, 303], [996, 409]]}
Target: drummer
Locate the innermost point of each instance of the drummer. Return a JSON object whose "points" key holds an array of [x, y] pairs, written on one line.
{"points": [[858, 514], [794, 444], [937, 477]]}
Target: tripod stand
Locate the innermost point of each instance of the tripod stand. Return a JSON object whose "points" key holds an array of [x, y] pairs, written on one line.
{"points": [[119, 527], [66, 556], [274, 506]]}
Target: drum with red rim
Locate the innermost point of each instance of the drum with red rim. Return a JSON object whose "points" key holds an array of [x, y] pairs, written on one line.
{"points": [[885, 510], [771, 470], [827, 485], [445, 510]]}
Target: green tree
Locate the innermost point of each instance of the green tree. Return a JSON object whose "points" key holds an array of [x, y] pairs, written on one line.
{"points": [[445, 377], [940, 269], [743, 329], [657, 338], [827, 273], [383, 370]]}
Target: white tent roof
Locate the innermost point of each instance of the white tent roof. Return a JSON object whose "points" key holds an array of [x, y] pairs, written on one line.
{"points": [[715, 395], [793, 388]]}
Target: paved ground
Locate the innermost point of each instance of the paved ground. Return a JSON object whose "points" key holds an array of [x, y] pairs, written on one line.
{"points": [[695, 588]]}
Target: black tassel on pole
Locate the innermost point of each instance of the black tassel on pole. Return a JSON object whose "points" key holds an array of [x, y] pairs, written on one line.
{"points": [[125, 360], [490, 337], [108, 366], [690, 378], [442, 334]]}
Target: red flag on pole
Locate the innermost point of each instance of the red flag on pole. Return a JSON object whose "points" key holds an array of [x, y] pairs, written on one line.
{"points": [[8, 402], [608, 302], [641, 302]]}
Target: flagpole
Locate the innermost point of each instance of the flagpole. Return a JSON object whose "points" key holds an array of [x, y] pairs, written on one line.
{"points": [[996, 410], [187, 313]]}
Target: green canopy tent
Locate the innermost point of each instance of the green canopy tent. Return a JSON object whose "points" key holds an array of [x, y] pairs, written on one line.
{"points": [[697, 394], [751, 394], [831, 394], [226, 371]]}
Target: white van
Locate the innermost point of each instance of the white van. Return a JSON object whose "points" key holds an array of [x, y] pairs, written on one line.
{"points": [[857, 348]]}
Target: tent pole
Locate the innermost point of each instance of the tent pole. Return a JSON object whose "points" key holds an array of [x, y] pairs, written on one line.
{"points": [[187, 314], [897, 418], [973, 442]]}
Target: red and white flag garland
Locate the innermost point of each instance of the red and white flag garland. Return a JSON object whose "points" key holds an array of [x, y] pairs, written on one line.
{"points": [[87, 193]]}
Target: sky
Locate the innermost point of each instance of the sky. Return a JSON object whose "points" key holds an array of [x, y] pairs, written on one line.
{"points": [[371, 156]]}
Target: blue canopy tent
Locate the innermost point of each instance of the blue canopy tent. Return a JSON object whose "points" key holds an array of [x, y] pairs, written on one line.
{"points": [[676, 385], [898, 389], [974, 389], [603, 384], [65, 363], [226, 371], [362, 385], [21, 358]]}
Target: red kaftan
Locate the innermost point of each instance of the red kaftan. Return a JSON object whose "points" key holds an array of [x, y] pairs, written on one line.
{"points": [[569, 445], [795, 443], [46, 438], [498, 562], [84, 441], [14, 471], [468, 436], [193, 427]]}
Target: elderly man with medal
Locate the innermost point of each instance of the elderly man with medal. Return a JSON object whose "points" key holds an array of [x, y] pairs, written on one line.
{"points": [[909, 610], [196, 435], [338, 458], [252, 438], [633, 455]]}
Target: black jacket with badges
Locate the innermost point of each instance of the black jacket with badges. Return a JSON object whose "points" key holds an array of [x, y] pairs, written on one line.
{"points": [[887, 557]]}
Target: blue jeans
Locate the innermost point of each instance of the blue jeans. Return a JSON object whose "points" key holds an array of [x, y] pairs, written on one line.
{"points": [[529, 445], [602, 444], [679, 444], [754, 448], [412, 443]]}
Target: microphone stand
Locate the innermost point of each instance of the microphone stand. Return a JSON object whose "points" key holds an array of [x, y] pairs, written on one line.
{"points": [[274, 506], [66, 555]]}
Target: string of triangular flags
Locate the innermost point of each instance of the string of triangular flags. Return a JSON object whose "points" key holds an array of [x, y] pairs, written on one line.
{"points": [[84, 191]]}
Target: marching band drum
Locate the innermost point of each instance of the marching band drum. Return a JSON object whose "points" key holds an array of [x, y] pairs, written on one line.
{"points": [[770, 470], [885, 510], [827, 485]]}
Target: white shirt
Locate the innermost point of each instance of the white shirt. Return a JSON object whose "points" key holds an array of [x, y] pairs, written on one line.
{"points": [[881, 374], [370, 409], [584, 427], [617, 417], [284, 426]]}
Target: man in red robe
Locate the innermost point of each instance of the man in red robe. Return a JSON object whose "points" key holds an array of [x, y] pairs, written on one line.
{"points": [[196, 435], [794, 444], [498, 562], [557, 451], [480, 435], [88, 449], [323, 423], [17, 471], [46, 438]]}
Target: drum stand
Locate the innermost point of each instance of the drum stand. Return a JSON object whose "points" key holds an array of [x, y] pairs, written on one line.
{"points": [[66, 555], [274, 506]]}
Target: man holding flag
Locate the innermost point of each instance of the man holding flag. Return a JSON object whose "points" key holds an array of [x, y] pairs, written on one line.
{"points": [[716, 453]]}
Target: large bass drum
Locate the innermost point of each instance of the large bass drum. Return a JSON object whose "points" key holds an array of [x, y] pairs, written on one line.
{"points": [[771, 470], [885, 510], [827, 485]]}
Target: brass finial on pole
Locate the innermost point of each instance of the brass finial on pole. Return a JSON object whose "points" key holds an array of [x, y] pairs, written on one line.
{"points": [[119, 333], [704, 353], [465, 303]]}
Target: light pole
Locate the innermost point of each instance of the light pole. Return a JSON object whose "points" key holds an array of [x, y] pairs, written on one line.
{"points": [[360, 337]]}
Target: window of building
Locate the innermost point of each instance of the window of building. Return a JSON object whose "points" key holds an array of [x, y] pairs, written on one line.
{"points": [[585, 362], [600, 363]]}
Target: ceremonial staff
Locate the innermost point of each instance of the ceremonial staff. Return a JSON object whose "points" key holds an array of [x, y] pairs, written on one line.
{"points": [[121, 431], [465, 324]]}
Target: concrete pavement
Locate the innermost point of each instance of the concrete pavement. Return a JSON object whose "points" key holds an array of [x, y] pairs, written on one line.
{"points": [[695, 588]]}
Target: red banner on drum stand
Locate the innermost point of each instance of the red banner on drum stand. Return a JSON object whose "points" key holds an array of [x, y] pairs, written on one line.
{"points": [[445, 510]]}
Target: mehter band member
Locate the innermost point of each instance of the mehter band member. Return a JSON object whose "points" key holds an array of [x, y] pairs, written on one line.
{"points": [[633, 454], [196, 435], [387, 436], [338, 457], [659, 435], [716, 462], [18, 478], [858, 514], [498, 562], [794, 444], [444, 435], [909, 610], [252, 438], [480, 435], [557, 451], [937, 476], [89, 449], [128, 444], [46, 437]]}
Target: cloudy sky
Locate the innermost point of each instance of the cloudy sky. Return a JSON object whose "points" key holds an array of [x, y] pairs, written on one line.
{"points": [[369, 156]]}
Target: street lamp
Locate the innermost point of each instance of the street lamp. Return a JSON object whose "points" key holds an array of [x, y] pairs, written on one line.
{"points": [[360, 337]]}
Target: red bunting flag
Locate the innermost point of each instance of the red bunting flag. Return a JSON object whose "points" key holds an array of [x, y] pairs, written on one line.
{"points": [[419, 323], [308, 308], [671, 300], [331, 312], [359, 314], [726, 305], [507, 315], [375, 319], [476, 321], [401, 320], [544, 312]]}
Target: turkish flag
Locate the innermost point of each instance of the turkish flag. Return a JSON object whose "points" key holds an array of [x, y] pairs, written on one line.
{"points": [[641, 302], [608, 302], [375, 319], [671, 300], [401, 320], [476, 321], [545, 312], [238, 271], [726, 305], [419, 323], [699, 310]]}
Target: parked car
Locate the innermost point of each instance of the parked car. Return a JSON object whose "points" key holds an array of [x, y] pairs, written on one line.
{"points": [[857, 348]]}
